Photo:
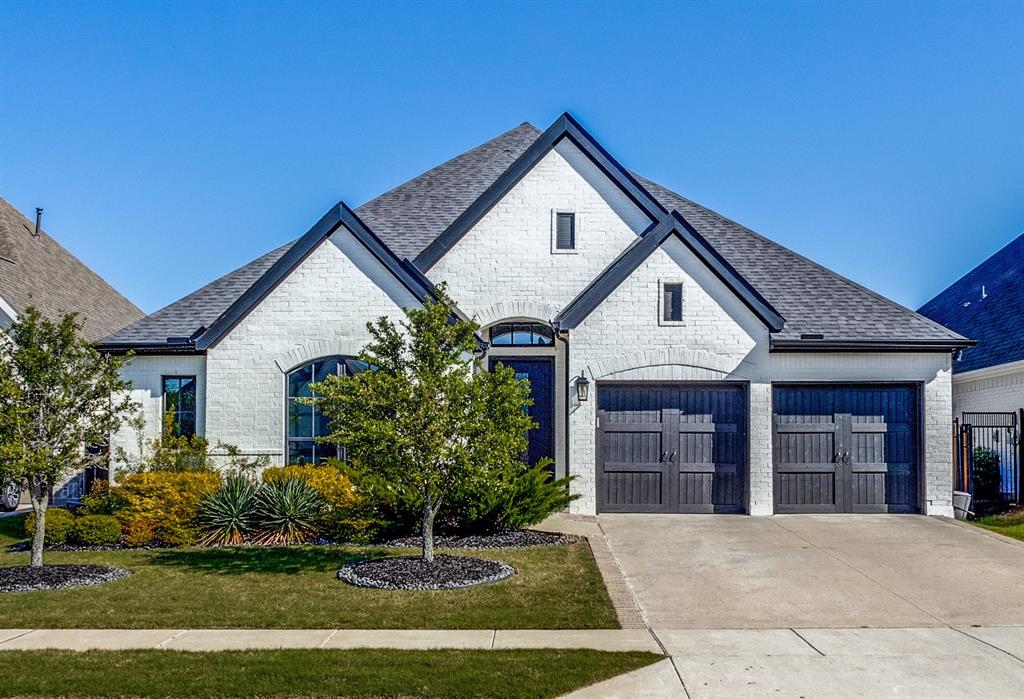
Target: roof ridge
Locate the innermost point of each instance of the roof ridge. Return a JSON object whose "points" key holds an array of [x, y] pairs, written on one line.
{"points": [[463, 154], [808, 260]]}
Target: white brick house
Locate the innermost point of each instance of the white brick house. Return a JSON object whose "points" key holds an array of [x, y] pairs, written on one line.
{"points": [[723, 373]]}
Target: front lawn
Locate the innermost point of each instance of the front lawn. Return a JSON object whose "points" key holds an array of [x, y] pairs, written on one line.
{"points": [[557, 587], [311, 673], [1009, 523]]}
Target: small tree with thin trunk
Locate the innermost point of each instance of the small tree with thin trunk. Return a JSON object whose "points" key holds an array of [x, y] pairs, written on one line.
{"points": [[57, 395], [421, 419]]}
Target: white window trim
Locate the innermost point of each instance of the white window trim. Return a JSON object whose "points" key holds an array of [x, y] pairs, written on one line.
{"points": [[661, 302], [555, 250]]}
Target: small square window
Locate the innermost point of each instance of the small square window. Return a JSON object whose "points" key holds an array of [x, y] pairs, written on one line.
{"points": [[564, 232], [672, 302]]}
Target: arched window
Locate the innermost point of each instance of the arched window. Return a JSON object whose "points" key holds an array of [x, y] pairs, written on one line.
{"points": [[306, 422], [522, 335]]}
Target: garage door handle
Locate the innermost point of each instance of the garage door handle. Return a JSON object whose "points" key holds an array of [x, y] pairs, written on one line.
{"points": [[838, 458], [664, 455], [846, 457], [672, 458]]}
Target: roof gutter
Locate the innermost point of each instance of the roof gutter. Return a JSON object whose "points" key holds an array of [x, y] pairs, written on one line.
{"points": [[949, 345]]}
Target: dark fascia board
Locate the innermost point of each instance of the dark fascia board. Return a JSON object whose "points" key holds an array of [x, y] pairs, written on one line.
{"points": [[638, 251], [564, 127], [338, 215], [949, 345], [122, 348]]}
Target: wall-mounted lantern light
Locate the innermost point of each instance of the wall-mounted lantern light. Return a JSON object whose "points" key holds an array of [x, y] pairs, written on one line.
{"points": [[582, 389]]}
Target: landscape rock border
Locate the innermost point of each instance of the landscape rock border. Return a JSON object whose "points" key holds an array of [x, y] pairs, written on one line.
{"points": [[527, 538], [57, 577], [413, 573]]}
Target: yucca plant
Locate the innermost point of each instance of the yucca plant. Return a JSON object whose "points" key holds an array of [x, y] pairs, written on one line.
{"points": [[228, 515], [287, 512]]}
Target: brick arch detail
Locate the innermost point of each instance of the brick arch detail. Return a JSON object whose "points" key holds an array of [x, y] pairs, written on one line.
{"points": [[303, 354], [515, 309]]}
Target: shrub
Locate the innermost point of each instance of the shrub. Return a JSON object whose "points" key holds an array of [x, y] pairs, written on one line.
{"points": [[341, 517], [101, 500], [986, 474], [96, 530], [287, 512], [60, 524], [228, 515], [160, 507]]}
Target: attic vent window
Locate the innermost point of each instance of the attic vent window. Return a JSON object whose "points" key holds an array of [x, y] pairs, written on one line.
{"points": [[671, 303], [811, 336], [563, 232]]}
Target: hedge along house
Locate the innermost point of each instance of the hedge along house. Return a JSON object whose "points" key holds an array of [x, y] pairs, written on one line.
{"points": [[678, 361]]}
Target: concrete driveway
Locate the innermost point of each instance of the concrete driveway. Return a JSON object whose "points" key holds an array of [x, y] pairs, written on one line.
{"points": [[821, 606], [816, 571]]}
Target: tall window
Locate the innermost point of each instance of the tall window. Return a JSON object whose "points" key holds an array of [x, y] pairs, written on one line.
{"points": [[565, 231], [672, 303], [521, 335], [180, 403], [306, 422]]}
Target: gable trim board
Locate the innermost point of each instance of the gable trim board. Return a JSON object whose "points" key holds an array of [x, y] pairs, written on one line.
{"points": [[565, 127], [649, 241]]}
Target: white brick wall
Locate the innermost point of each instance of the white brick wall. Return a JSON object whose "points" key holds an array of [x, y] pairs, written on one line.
{"points": [[507, 255], [146, 373], [994, 391]]}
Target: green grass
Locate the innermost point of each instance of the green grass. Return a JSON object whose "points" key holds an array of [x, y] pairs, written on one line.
{"points": [[557, 587], [1009, 524], [12, 530], [310, 673]]}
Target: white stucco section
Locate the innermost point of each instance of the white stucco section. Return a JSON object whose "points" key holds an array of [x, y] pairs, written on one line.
{"points": [[507, 256], [146, 373], [998, 389]]}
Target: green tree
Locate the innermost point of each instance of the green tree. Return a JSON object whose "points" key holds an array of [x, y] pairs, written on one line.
{"points": [[426, 419], [57, 395]]}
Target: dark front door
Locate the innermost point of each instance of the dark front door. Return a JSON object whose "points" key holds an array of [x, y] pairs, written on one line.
{"points": [[541, 374], [671, 447], [845, 448]]}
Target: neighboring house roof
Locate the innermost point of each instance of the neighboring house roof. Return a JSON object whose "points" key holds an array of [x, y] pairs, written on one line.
{"points": [[987, 305], [813, 300], [673, 224], [38, 271]]}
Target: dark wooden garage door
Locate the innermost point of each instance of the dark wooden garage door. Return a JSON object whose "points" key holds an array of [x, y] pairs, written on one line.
{"points": [[671, 448], [845, 448]]}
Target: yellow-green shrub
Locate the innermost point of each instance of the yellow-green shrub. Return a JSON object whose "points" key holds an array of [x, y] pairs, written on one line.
{"points": [[342, 518], [159, 507], [60, 524]]}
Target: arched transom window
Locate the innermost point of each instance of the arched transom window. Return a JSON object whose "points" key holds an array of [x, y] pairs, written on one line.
{"points": [[521, 335], [306, 422]]}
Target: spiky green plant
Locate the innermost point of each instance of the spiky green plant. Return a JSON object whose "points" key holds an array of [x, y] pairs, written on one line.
{"points": [[287, 512], [228, 515]]}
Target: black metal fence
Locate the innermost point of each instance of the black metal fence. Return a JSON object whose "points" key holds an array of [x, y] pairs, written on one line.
{"points": [[989, 436]]}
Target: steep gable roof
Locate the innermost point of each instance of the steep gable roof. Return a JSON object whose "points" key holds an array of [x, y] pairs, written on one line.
{"points": [[672, 225], [249, 285], [813, 299], [987, 305], [564, 128], [40, 272]]}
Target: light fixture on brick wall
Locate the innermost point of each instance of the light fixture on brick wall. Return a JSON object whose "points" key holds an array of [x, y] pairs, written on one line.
{"points": [[582, 388]]}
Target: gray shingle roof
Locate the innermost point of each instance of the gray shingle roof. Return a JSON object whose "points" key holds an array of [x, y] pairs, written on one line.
{"points": [[810, 297], [40, 272], [994, 319]]}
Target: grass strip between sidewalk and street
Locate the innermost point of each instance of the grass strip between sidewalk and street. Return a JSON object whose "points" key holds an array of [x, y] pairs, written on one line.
{"points": [[1009, 524], [311, 673]]}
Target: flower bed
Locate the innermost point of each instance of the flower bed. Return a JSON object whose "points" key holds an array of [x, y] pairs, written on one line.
{"points": [[408, 573], [501, 540]]}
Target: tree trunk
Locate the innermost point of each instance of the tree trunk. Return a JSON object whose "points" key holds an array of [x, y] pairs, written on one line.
{"points": [[40, 500], [428, 529]]}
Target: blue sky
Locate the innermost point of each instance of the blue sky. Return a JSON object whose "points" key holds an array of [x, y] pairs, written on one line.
{"points": [[173, 142]]}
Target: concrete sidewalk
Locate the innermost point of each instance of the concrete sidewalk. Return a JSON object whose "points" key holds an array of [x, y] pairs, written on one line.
{"points": [[248, 639]]}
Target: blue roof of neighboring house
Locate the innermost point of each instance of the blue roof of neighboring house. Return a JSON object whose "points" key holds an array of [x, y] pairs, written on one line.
{"points": [[986, 305]]}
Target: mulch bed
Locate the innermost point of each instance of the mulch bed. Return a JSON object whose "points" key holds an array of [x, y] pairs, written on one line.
{"points": [[26, 578], [501, 540], [409, 573]]}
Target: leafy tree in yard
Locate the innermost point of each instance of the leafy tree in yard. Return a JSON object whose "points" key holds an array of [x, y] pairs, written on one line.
{"points": [[57, 394], [423, 420]]}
